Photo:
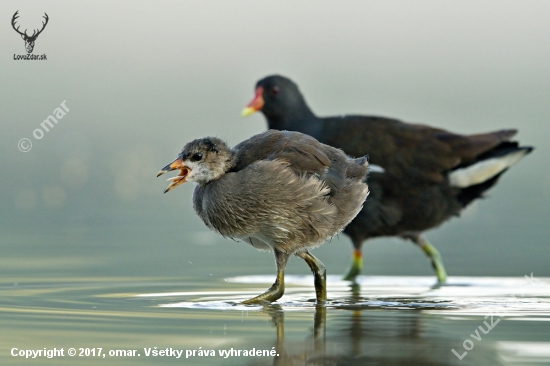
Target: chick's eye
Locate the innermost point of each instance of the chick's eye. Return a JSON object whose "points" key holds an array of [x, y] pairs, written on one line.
{"points": [[196, 157], [275, 90]]}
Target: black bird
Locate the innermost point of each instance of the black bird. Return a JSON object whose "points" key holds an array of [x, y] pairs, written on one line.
{"points": [[279, 191], [421, 176]]}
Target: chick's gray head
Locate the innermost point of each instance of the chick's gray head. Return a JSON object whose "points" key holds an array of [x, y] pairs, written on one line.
{"points": [[201, 161]]}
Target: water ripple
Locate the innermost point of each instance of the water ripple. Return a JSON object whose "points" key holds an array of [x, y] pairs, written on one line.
{"points": [[459, 296]]}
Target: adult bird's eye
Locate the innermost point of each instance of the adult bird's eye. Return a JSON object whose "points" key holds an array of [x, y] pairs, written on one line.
{"points": [[196, 157], [275, 90]]}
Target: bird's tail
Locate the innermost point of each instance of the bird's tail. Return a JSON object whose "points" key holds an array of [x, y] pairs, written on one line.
{"points": [[474, 179], [364, 160], [489, 165]]}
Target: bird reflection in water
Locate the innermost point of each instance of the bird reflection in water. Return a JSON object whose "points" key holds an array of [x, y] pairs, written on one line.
{"points": [[356, 335], [313, 347]]}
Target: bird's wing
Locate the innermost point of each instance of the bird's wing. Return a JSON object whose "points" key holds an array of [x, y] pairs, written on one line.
{"points": [[304, 154], [409, 150], [440, 151]]}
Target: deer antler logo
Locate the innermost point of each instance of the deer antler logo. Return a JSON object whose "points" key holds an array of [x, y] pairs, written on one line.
{"points": [[29, 40]]}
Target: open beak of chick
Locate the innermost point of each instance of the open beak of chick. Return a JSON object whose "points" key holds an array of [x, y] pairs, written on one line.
{"points": [[178, 179]]}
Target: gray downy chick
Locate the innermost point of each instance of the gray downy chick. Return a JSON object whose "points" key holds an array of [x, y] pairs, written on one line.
{"points": [[279, 191]]}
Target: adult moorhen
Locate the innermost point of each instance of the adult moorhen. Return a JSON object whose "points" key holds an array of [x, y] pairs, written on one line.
{"points": [[278, 191], [422, 175]]}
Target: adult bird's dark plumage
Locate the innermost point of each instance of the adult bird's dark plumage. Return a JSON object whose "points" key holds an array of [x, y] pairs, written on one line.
{"points": [[420, 176], [279, 191]]}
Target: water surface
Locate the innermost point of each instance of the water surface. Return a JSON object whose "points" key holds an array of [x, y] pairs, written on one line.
{"points": [[379, 321]]}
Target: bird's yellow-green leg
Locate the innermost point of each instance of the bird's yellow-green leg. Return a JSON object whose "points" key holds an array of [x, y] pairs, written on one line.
{"points": [[356, 266], [435, 257], [319, 274], [274, 293], [276, 290]]}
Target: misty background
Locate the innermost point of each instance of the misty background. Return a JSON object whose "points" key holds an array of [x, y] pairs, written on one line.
{"points": [[141, 79]]}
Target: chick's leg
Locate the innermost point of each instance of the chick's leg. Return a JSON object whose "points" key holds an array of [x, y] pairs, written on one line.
{"points": [[278, 288], [319, 275]]}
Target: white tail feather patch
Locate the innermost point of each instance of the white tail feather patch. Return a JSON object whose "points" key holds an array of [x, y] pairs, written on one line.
{"points": [[375, 169], [483, 170]]}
